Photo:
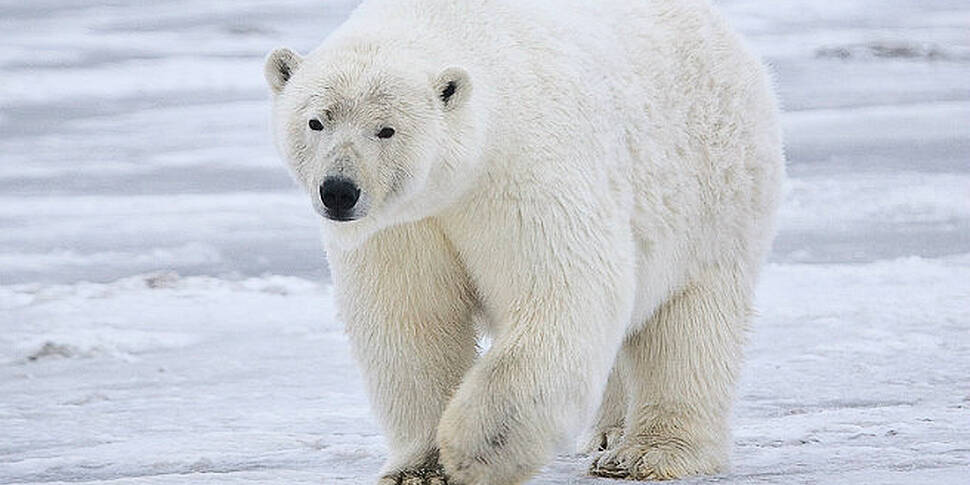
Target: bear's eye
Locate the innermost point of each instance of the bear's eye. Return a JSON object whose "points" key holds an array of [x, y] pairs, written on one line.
{"points": [[315, 124], [385, 132]]}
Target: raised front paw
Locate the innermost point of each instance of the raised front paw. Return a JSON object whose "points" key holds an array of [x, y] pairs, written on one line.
{"points": [[485, 441], [431, 474], [657, 458], [476, 451]]}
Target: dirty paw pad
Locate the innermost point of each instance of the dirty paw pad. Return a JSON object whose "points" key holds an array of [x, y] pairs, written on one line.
{"points": [[431, 475]]}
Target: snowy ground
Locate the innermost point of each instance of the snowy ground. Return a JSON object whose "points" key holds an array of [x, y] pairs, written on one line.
{"points": [[164, 315]]}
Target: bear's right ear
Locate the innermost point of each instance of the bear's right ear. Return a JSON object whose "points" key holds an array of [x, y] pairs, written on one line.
{"points": [[280, 66]]}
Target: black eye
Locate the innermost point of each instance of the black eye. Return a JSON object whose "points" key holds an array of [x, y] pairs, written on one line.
{"points": [[385, 132], [315, 125]]}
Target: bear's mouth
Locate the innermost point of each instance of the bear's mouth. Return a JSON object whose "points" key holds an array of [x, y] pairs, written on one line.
{"points": [[340, 217]]}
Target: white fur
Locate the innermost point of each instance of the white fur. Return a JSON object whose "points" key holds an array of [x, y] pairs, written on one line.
{"points": [[599, 191]]}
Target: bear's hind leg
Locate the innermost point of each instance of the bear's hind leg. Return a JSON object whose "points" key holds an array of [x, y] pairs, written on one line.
{"points": [[607, 429], [680, 370]]}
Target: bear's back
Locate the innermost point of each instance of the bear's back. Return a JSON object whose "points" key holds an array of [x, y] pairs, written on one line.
{"points": [[659, 95]]}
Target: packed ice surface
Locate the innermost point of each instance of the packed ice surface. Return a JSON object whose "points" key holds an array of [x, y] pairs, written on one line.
{"points": [[855, 375], [164, 308]]}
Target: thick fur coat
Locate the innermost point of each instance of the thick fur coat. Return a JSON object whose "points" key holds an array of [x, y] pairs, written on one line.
{"points": [[593, 184]]}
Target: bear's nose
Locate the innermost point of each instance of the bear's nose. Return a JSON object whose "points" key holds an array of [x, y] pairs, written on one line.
{"points": [[339, 195]]}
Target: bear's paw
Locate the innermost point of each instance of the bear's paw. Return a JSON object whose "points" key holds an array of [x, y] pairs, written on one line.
{"points": [[604, 439], [656, 458], [427, 475]]}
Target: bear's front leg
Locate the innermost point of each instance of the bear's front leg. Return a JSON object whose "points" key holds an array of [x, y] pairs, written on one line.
{"points": [[406, 303], [560, 304]]}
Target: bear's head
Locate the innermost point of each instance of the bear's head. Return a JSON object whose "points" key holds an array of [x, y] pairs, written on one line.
{"points": [[374, 142]]}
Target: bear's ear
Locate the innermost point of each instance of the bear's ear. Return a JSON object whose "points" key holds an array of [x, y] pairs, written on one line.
{"points": [[280, 66], [453, 87]]}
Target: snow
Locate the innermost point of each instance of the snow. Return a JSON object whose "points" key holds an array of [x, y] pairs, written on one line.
{"points": [[164, 308], [165, 379]]}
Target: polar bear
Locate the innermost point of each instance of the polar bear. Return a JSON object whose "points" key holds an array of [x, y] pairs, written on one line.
{"points": [[591, 184]]}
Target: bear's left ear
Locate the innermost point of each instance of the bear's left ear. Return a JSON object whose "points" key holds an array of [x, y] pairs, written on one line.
{"points": [[453, 87], [280, 66]]}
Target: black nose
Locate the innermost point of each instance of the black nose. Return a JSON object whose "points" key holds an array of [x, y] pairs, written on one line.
{"points": [[339, 195]]}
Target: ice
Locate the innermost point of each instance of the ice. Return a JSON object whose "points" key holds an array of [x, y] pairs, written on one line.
{"points": [[165, 315], [169, 379]]}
